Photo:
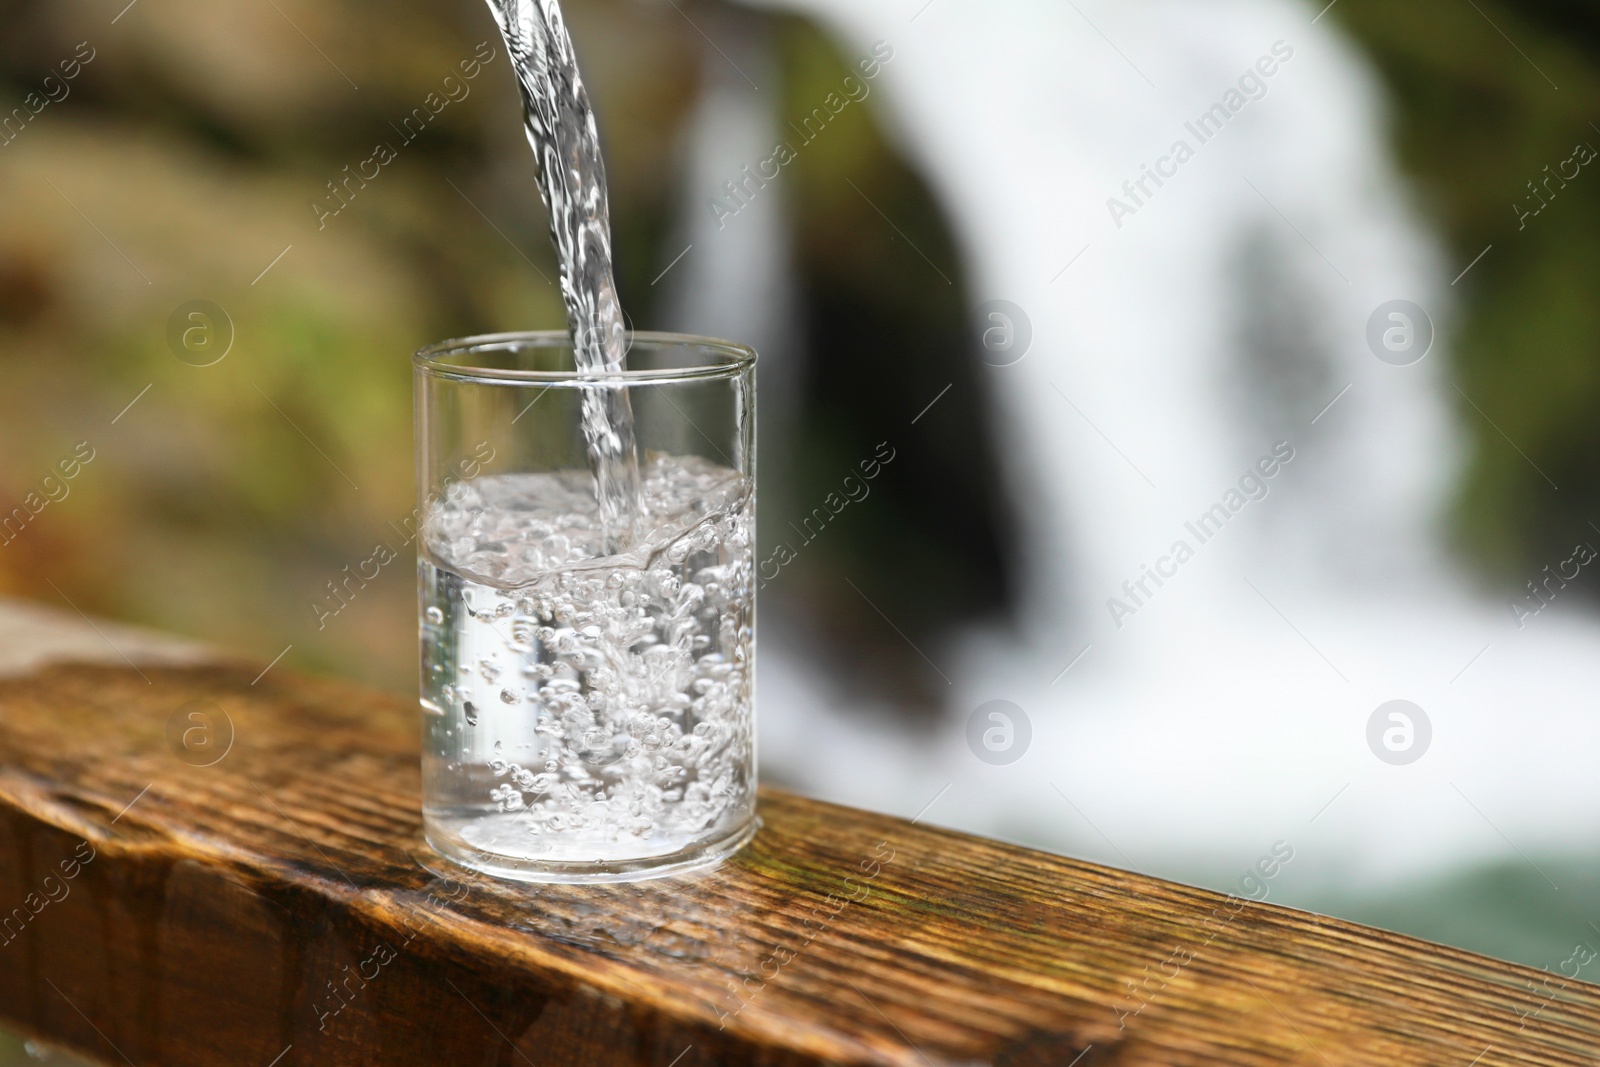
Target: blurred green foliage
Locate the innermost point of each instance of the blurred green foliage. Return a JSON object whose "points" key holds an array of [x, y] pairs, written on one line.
{"points": [[183, 161], [1484, 98], [209, 155]]}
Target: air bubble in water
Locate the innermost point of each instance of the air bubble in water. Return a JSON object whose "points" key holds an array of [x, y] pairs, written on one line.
{"points": [[636, 722]]}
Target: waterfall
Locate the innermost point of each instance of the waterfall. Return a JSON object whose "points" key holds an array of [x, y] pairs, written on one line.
{"points": [[1183, 333]]}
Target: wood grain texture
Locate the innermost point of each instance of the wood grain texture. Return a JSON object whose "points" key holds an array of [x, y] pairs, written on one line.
{"points": [[281, 903]]}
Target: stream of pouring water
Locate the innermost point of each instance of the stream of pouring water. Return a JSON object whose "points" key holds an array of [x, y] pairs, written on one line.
{"points": [[572, 182]]}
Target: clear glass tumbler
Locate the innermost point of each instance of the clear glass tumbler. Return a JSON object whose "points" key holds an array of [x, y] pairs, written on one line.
{"points": [[588, 671]]}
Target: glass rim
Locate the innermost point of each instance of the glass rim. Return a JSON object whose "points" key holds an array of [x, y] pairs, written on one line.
{"points": [[733, 359]]}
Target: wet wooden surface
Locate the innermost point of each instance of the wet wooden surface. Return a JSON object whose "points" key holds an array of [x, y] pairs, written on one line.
{"points": [[278, 907]]}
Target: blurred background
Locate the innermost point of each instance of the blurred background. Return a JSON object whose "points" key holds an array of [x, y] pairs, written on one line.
{"points": [[984, 253]]}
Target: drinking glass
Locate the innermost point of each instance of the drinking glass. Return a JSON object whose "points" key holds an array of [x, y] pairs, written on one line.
{"points": [[587, 672]]}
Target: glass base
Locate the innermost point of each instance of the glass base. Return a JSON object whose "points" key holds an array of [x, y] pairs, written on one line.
{"points": [[458, 849]]}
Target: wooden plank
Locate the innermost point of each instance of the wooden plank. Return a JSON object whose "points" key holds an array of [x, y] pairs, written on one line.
{"points": [[279, 907]]}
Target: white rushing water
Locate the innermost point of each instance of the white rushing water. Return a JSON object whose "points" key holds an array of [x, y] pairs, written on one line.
{"points": [[1203, 328], [561, 130]]}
